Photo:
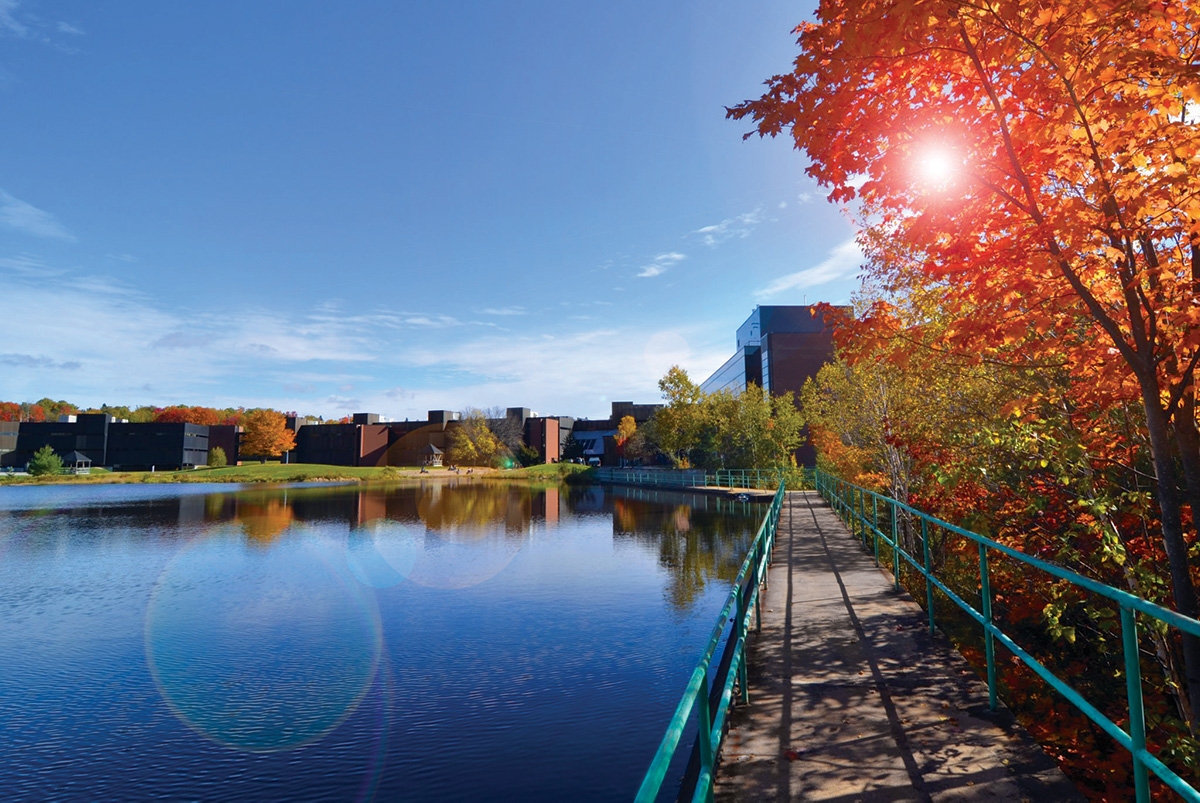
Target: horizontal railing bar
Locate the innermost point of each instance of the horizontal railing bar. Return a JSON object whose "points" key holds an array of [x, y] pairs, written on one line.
{"points": [[1117, 595]]}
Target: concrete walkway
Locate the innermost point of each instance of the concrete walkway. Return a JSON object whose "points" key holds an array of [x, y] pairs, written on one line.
{"points": [[852, 699]]}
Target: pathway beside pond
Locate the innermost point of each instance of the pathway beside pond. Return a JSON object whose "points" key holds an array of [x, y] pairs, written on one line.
{"points": [[853, 699]]}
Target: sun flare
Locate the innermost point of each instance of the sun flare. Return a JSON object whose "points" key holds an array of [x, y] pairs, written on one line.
{"points": [[936, 167]]}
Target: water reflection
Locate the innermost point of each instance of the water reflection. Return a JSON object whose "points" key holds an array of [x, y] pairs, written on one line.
{"points": [[424, 641], [699, 539]]}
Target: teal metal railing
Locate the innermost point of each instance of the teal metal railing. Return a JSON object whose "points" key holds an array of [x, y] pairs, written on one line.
{"points": [[864, 510], [796, 478], [701, 692]]}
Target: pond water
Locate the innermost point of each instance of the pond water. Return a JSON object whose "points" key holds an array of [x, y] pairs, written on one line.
{"points": [[440, 641]]}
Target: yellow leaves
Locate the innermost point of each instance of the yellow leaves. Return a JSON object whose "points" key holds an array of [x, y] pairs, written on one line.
{"points": [[1176, 170]]}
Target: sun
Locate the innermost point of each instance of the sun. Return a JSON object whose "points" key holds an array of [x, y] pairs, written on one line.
{"points": [[937, 167]]}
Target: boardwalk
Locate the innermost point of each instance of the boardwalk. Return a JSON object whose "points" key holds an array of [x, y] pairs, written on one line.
{"points": [[852, 699]]}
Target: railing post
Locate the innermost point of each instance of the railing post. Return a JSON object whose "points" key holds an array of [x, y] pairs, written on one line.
{"points": [[875, 525], [859, 517], [704, 726], [1137, 715], [895, 532], [928, 553], [989, 642], [738, 631]]}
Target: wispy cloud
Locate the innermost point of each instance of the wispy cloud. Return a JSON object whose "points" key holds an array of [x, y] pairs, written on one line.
{"points": [[27, 265], [430, 320], [843, 261], [8, 22], [503, 311], [66, 27], [661, 264], [344, 403], [179, 340], [729, 228], [22, 216], [29, 361]]}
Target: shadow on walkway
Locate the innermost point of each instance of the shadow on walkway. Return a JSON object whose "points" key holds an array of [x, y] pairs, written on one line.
{"points": [[851, 698]]}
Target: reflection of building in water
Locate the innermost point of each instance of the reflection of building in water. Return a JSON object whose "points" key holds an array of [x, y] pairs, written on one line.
{"points": [[546, 505]]}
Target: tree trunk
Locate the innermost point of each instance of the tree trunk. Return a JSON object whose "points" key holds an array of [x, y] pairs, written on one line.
{"points": [[1183, 590]]}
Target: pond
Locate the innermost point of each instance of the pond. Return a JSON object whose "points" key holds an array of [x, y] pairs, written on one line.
{"points": [[434, 641]]}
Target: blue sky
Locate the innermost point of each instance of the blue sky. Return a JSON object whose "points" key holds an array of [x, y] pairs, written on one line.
{"points": [[393, 206]]}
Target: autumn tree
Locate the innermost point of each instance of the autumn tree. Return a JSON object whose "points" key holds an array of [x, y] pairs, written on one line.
{"points": [[266, 434], [1043, 161], [472, 442], [508, 429], [626, 428], [678, 425], [10, 411], [52, 409], [725, 430]]}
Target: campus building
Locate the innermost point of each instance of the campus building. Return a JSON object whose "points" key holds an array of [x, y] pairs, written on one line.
{"points": [[102, 441], [161, 445], [778, 349]]}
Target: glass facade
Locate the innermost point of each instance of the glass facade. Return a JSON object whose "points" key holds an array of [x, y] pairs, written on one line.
{"points": [[778, 349], [737, 372]]}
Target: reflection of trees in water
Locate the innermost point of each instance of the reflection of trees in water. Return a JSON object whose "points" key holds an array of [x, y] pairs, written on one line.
{"points": [[444, 507], [265, 520], [699, 539], [477, 508]]}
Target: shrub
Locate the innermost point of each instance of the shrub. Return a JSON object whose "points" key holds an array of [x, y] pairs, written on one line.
{"points": [[216, 457]]}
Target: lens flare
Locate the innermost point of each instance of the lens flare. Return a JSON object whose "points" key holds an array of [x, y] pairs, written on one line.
{"points": [[383, 553], [262, 650]]}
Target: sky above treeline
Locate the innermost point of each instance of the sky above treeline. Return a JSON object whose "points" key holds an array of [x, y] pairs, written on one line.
{"points": [[394, 206]]}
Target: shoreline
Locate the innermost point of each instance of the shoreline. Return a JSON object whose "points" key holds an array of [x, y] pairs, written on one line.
{"points": [[294, 472]]}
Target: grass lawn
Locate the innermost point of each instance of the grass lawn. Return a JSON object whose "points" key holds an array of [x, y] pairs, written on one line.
{"points": [[551, 472], [298, 472]]}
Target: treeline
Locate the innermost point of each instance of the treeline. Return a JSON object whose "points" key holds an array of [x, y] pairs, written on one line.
{"points": [[49, 410]]}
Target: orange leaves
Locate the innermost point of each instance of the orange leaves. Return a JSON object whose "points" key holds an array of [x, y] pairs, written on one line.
{"points": [[266, 434]]}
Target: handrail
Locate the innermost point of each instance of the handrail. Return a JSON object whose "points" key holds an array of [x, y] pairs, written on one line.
{"points": [[743, 603], [860, 507], [750, 478]]}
